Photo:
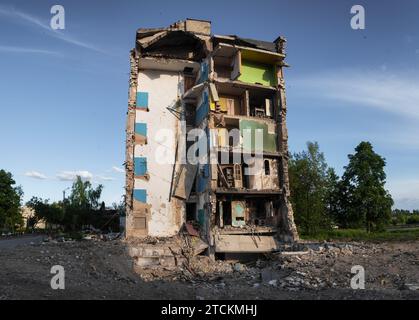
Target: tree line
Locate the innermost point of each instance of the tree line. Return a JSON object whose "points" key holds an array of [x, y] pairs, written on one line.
{"points": [[81, 208], [405, 217], [322, 200]]}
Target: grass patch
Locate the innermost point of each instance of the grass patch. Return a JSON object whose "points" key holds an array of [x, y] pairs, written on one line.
{"points": [[362, 235]]}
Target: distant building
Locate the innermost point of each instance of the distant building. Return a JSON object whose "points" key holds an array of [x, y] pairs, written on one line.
{"points": [[28, 213], [226, 96]]}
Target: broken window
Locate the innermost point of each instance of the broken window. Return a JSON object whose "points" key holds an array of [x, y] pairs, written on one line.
{"points": [[190, 211], [230, 176], [261, 104], [236, 66], [190, 111], [189, 78], [267, 168], [238, 181]]}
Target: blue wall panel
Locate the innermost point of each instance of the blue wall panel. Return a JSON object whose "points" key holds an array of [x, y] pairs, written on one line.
{"points": [[202, 110], [141, 129], [140, 195], [142, 100], [204, 72], [140, 166]]}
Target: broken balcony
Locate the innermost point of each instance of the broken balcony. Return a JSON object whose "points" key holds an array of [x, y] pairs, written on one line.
{"points": [[240, 178], [245, 65], [244, 135], [238, 100], [245, 225], [245, 214]]}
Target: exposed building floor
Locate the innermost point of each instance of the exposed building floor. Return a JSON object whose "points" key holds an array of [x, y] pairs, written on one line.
{"points": [[102, 270]]}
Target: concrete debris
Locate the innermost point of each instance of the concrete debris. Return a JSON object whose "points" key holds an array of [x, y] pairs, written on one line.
{"points": [[294, 253], [238, 267], [267, 275], [101, 269], [312, 266], [414, 287], [191, 230]]}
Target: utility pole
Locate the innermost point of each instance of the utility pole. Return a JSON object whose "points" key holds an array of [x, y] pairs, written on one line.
{"points": [[64, 199]]}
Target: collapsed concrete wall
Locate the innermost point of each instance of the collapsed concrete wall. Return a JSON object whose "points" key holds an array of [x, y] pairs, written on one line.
{"points": [[129, 149], [288, 230]]}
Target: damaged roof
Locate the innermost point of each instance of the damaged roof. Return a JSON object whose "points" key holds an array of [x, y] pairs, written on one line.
{"points": [[187, 39], [246, 42], [201, 27], [200, 30]]}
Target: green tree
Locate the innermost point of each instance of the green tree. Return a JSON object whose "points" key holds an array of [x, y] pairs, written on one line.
{"points": [[83, 195], [332, 194], [79, 209], [364, 201], [310, 181], [51, 213], [10, 202], [82, 205], [120, 207]]}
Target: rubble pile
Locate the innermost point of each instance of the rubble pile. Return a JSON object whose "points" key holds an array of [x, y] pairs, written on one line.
{"points": [[298, 267], [103, 269], [85, 236]]}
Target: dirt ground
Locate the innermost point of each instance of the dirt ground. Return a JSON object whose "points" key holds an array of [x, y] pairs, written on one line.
{"points": [[102, 270]]}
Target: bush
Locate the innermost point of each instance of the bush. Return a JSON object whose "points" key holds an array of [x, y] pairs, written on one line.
{"points": [[413, 219]]}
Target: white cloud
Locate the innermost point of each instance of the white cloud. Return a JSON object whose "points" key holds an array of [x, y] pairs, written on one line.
{"points": [[36, 175], [398, 94], [13, 49], [118, 169], [22, 17], [12, 13], [72, 175], [386, 92], [104, 178]]}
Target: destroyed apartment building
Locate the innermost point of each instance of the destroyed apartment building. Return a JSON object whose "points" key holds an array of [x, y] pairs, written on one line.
{"points": [[226, 95]]}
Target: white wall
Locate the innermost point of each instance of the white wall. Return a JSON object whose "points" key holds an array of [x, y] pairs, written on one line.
{"points": [[163, 89]]}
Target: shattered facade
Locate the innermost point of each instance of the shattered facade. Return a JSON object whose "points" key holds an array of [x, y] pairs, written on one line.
{"points": [[206, 139]]}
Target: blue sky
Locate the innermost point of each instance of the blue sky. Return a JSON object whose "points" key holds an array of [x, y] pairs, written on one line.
{"points": [[63, 94]]}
